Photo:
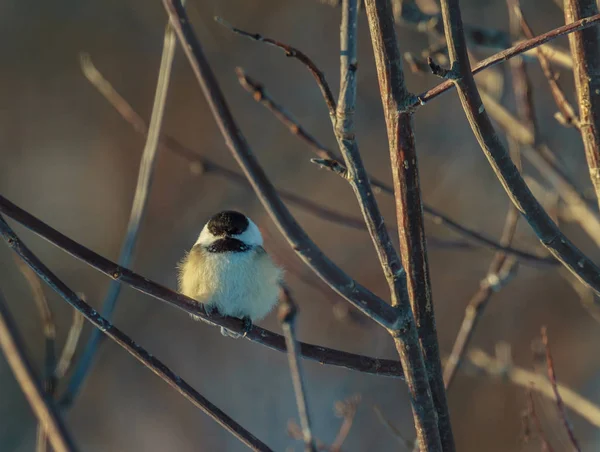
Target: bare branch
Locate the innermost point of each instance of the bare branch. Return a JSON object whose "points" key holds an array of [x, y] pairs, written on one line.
{"points": [[543, 159], [292, 52], [408, 445], [140, 201], [585, 49], [559, 401], [505, 55], [506, 171], [287, 317], [138, 352], [494, 367], [432, 433], [267, 338], [42, 406], [532, 413], [68, 352], [567, 115]]}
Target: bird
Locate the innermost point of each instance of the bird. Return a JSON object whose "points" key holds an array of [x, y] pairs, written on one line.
{"points": [[228, 270]]}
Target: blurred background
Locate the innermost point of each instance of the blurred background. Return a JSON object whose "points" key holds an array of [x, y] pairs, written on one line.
{"points": [[71, 160]]}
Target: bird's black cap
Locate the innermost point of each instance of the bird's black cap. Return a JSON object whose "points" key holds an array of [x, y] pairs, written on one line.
{"points": [[228, 222]]}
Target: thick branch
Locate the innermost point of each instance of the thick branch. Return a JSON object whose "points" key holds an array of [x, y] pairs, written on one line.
{"points": [[433, 427], [585, 48], [14, 350], [144, 285], [506, 171]]}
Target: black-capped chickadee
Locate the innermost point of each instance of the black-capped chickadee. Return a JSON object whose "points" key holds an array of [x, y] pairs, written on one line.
{"points": [[229, 271]]}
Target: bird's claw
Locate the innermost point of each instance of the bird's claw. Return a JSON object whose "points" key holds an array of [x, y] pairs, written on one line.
{"points": [[247, 325]]}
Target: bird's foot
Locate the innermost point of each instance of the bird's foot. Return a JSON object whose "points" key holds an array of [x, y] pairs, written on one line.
{"points": [[247, 325]]}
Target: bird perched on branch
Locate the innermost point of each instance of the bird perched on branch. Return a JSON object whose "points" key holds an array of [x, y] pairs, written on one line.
{"points": [[229, 271]]}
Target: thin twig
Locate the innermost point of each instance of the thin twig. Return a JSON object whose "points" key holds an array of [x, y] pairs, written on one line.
{"points": [[148, 360], [42, 406], [287, 317], [536, 421], [408, 445], [306, 204], [506, 171], [567, 115], [505, 55], [292, 52], [48, 326], [260, 95], [256, 334], [585, 49], [66, 358], [140, 201], [359, 296], [494, 367], [559, 401], [433, 427]]}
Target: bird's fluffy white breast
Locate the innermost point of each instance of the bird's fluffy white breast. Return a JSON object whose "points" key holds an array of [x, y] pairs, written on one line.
{"points": [[237, 284]]}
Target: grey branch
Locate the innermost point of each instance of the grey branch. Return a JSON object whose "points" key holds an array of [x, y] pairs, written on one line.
{"points": [[288, 310]]}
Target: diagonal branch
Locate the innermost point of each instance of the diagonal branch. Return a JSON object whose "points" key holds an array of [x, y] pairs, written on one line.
{"points": [[44, 409], [140, 201], [287, 317], [506, 171], [267, 338], [409, 213], [560, 404], [585, 49], [360, 297], [102, 324]]}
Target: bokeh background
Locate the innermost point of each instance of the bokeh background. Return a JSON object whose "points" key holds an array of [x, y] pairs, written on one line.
{"points": [[69, 158]]}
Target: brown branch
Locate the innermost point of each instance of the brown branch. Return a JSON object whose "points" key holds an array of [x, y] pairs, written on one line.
{"points": [[360, 297], [505, 55], [256, 334], [409, 214], [138, 352], [260, 95], [567, 115], [287, 317], [532, 413], [506, 171], [14, 351], [559, 401], [585, 49], [292, 52]]}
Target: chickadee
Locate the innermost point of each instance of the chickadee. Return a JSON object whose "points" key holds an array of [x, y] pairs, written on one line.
{"points": [[229, 271]]}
